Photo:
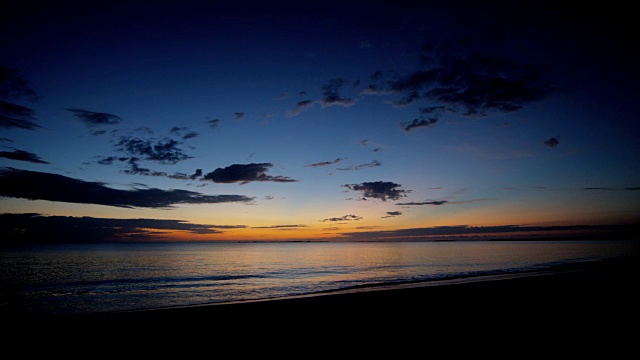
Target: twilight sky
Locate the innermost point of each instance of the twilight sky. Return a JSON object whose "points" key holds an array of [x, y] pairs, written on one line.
{"points": [[352, 120]]}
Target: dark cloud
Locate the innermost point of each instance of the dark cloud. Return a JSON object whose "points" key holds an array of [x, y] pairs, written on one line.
{"points": [[506, 231], [473, 82], [382, 190], [16, 116], [99, 132], [213, 123], [34, 185], [434, 113], [331, 93], [428, 202], [110, 159], [15, 88], [5, 139], [36, 228], [21, 155], [165, 151], [239, 115], [612, 189], [392, 214], [552, 142], [325, 163], [91, 118], [244, 173], [343, 218], [374, 163], [458, 79]]}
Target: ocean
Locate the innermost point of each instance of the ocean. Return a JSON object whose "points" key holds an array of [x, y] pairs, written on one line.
{"points": [[92, 278]]}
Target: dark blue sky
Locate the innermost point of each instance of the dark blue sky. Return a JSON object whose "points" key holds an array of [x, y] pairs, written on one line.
{"points": [[299, 120]]}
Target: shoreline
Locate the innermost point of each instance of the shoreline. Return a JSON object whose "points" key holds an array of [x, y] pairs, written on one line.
{"points": [[548, 290]]}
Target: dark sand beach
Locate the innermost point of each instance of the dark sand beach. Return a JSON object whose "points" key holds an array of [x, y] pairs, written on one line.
{"points": [[593, 304]]}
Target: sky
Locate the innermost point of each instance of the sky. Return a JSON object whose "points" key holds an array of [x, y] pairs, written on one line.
{"points": [[317, 120]]}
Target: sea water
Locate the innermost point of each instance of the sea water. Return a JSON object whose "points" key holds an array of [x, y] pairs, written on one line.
{"points": [[86, 278]]}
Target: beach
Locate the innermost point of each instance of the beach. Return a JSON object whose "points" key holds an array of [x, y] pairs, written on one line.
{"points": [[586, 301]]}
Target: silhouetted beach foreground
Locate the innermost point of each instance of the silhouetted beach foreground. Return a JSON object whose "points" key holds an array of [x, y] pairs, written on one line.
{"points": [[595, 300]]}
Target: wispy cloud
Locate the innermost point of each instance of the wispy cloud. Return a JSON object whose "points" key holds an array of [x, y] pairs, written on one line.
{"points": [[279, 227], [245, 173], [325, 163], [15, 88], [382, 190], [213, 123], [611, 189], [300, 107], [374, 163], [21, 155], [183, 132], [34, 185], [428, 202], [91, 118]]}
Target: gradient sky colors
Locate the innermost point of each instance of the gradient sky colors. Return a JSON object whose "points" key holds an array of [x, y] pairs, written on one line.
{"points": [[278, 120]]}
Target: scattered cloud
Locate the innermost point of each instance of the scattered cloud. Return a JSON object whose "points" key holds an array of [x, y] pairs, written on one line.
{"points": [[460, 80], [239, 115], [34, 185], [382, 190], [325, 163], [21, 155], [244, 173], [165, 151], [91, 118], [349, 217], [331, 94]]}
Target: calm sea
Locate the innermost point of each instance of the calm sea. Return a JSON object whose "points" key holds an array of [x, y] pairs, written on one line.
{"points": [[86, 278]]}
